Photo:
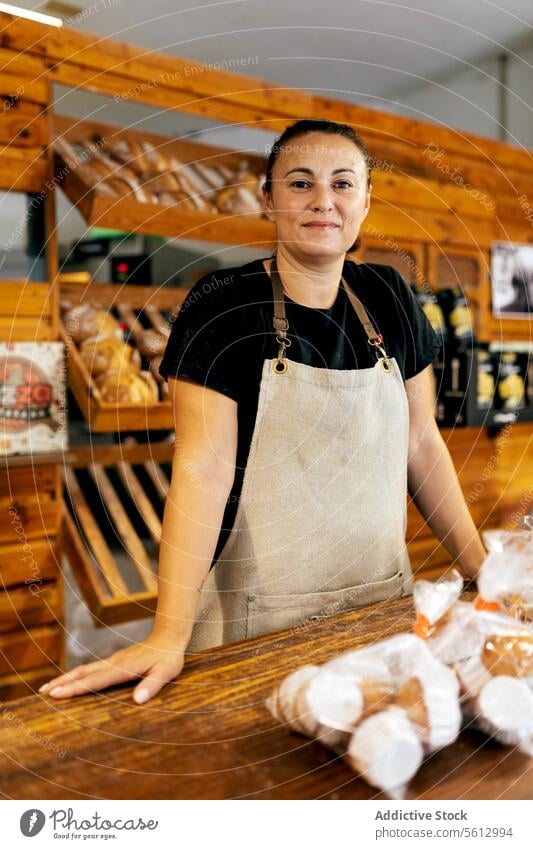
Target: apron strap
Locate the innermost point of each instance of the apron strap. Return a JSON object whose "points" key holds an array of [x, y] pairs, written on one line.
{"points": [[281, 324]]}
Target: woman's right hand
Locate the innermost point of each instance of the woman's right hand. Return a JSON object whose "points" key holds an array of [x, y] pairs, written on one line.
{"points": [[156, 660]]}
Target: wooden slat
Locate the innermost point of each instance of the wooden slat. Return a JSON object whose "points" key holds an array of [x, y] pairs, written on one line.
{"points": [[141, 501], [127, 451], [35, 516], [156, 316], [19, 565], [131, 321], [95, 537], [19, 175], [28, 606], [24, 125], [28, 480], [136, 297], [18, 87], [106, 609], [158, 477], [434, 194], [28, 311], [22, 650], [130, 540], [26, 683]]}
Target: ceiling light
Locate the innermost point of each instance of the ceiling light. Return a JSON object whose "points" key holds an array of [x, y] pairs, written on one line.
{"points": [[31, 15]]}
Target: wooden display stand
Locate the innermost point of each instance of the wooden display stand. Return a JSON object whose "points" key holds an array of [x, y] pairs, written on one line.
{"points": [[31, 583], [130, 304], [174, 221], [130, 487]]}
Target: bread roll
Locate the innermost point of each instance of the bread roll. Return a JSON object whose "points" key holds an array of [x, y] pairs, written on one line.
{"points": [[151, 342], [127, 387], [85, 321], [102, 355], [509, 655], [237, 200]]}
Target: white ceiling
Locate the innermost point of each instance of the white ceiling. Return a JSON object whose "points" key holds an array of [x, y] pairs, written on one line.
{"points": [[361, 50]]}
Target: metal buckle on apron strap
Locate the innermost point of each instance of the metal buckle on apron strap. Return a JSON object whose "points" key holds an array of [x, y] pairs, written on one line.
{"points": [[382, 355], [281, 365]]}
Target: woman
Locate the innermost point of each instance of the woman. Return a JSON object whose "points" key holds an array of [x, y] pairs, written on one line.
{"points": [[303, 403]]}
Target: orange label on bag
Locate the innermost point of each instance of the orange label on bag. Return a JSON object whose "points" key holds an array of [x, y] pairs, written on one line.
{"points": [[481, 604], [422, 626]]}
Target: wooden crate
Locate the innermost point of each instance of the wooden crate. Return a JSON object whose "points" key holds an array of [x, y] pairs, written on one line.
{"points": [[128, 213], [126, 483], [129, 304]]}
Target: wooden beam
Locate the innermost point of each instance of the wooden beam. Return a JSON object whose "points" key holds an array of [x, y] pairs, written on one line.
{"points": [[244, 99]]}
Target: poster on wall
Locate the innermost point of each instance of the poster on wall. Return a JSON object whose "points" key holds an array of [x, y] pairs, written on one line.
{"points": [[32, 397], [512, 280]]}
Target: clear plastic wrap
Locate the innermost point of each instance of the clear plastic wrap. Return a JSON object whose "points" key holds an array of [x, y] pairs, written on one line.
{"points": [[383, 707], [490, 652], [506, 577]]}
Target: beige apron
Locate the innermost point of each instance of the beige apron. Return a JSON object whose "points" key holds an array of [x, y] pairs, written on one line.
{"points": [[320, 527]]}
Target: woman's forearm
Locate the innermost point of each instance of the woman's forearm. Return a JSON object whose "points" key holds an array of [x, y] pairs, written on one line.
{"points": [[191, 524], [435, 489]]}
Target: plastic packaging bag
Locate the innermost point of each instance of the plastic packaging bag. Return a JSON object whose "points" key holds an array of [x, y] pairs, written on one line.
{"points": [[490, 652], [506, 577], [383, 707]]}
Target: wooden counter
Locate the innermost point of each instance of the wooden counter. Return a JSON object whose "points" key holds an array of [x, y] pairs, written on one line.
{"points": [[208, 735]]}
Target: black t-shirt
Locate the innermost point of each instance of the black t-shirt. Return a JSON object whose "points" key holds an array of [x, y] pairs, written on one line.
{"points": [[224, 332]]}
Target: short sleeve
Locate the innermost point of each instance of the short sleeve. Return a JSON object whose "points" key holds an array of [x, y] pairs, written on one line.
{"points": [[202, 343], [421, 342]]}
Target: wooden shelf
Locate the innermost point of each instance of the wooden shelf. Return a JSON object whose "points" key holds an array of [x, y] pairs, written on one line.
{"points": [[129, 214], [129, 486], [152, 302]]}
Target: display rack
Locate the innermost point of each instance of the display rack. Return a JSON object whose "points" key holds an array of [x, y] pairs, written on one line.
{"points": [[31, 584], [128, 485], [152, 166], [137, 307]]}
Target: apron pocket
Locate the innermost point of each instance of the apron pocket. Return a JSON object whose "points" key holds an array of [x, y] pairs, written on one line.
{"points": [[272, 612]]}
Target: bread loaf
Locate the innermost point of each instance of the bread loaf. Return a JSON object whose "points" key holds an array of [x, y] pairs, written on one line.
{"points": [[102, 355], [85, 321], [127, 387]]}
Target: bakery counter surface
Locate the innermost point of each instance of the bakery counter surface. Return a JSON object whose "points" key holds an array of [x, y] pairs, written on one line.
{"points": [[209, 735]]}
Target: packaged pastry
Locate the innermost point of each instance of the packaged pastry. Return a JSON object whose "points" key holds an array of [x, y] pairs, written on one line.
{"points": [[505, 654], [506, 578], [373, 704], [386, 751], [490, 652]]}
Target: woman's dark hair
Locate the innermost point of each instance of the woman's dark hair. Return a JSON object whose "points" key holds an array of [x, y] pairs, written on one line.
{"points": [[302, 128]]}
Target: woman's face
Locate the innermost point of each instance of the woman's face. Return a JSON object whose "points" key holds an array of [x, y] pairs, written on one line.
{"points": [[319, 196]]}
